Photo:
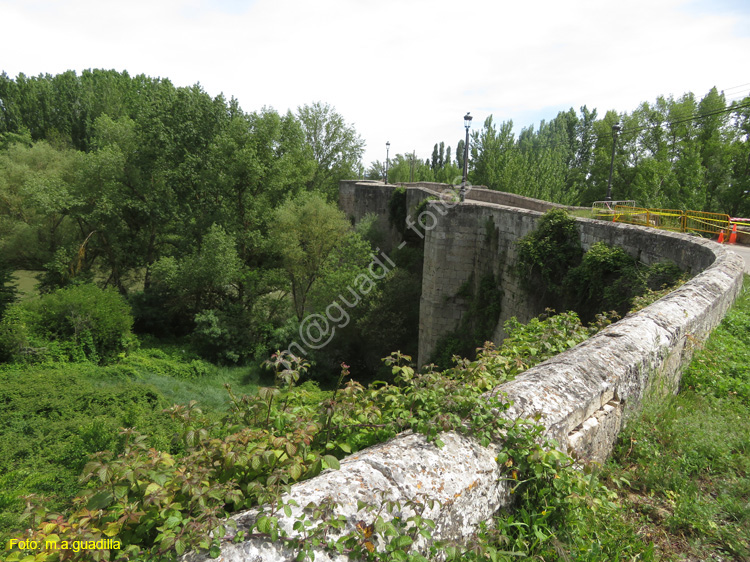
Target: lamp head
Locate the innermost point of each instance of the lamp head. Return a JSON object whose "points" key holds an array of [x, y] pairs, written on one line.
{"points": [[467, 120]]}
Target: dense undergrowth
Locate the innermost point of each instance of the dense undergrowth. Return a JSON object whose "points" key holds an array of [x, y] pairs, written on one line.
{"points": [[53, 415], [160, 497]]}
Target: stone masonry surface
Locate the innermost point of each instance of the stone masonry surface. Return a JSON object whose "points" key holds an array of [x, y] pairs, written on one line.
{"points": [[583, 396]]}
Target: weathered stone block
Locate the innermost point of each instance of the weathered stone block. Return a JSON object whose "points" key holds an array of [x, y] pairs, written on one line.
{"points": [[583, 396]]}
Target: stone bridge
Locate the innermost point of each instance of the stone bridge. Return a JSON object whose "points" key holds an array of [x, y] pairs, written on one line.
{"points": [[582, 396]]}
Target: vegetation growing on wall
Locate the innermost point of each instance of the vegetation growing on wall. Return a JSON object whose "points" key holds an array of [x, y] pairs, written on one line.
{"points": [[553, 265], [608, 278], [477, 324], [547, 254]]}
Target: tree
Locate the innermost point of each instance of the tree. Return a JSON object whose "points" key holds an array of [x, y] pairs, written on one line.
{"points": [[491, 152], [254, 164], [715, 150], [306, 230], [8, 290], [734, 198], [336, 146], [37, 187], [405, 168]]}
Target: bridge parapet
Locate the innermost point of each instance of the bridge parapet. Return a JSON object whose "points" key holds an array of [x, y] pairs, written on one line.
{"points": [[581, 397]]}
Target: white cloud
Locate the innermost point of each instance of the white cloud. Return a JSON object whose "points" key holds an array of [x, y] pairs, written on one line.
{"points": [[404, 71]]}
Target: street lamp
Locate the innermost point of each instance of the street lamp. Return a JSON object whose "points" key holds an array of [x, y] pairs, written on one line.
{"points": [[616, 128], [467, 124], [387, 149]]}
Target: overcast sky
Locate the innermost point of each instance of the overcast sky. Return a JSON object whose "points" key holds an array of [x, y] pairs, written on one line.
{"points": [[402, 71]]}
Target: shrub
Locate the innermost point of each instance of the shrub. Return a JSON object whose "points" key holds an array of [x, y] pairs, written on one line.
{"points": [[82, 322], [607, 279], [546, 254]]}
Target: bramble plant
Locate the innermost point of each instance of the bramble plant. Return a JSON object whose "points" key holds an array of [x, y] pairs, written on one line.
{"points": [[160, 504]]}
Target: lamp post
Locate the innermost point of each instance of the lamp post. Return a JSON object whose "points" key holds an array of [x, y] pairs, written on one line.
{"points": [[615, 129], [467, 124], [387, 150]]}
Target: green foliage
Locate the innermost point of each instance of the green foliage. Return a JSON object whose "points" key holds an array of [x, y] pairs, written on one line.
{"points": [[665, 157], [52, 418], [548, 253], [154, 361], [557, 513], [684, 460], [82, 322], [36, 190], [542, 337], [267, 441], [8, 290], [405, 168], [306, 231], [477, 325], [721, 367], [387, 318], [687, 463], [335, 145], [606, 278], [398, 211], [165, 194]]}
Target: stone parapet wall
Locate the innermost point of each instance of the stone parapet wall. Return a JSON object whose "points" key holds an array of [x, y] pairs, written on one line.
{"points": [[477, 237], [581, 397], [513, 200]]}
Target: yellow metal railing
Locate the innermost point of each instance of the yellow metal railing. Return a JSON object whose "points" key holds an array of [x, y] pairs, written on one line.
{"points": [[712, 223], [674, 220], [631, 215], [668, 219]]}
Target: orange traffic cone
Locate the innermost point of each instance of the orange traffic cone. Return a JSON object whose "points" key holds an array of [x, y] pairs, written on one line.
{"points": [[721, 237], [733, 236]]}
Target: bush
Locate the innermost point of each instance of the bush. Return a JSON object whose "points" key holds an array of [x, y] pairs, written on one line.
{"points": [[546, 254], [82, 322], [607, 279]]}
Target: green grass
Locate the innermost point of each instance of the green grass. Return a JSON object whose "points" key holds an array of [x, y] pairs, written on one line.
{"points": [[26, 282], [687, 460], [582, 213], [208, 390], [53, 417]]}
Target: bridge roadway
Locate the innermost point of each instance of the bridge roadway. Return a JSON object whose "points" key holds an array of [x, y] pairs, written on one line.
{"points": [[743, 251]]}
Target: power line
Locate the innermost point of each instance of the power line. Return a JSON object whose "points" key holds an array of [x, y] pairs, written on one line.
{"points": [[736, 87], [549, 144]]}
